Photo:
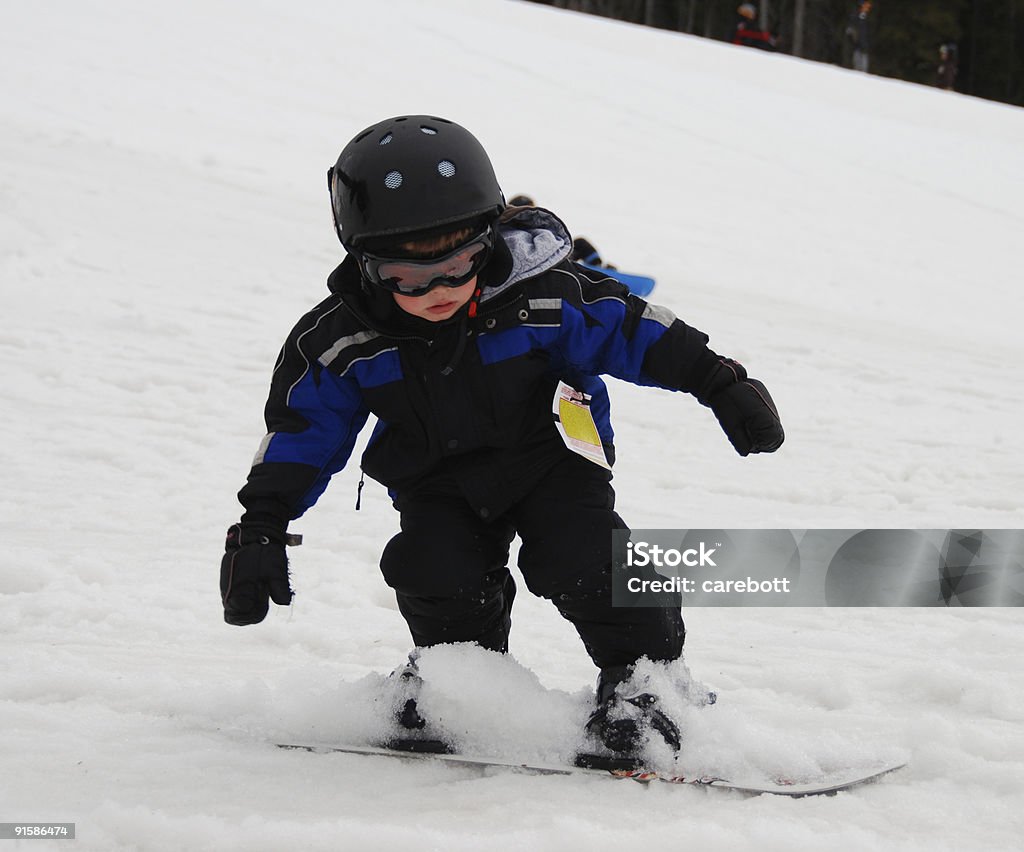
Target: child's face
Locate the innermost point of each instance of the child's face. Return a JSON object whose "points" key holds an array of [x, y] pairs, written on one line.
{"points": [[438, 304]]}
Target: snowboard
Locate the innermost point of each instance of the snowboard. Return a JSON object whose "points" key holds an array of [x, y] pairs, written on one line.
{"points": [[791, 787], [639, 285]]}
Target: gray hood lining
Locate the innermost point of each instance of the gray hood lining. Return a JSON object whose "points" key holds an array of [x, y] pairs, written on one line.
{"points": [[537, 240]]}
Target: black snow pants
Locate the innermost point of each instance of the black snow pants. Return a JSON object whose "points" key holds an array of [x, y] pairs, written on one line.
{"points": [[449, 568]]}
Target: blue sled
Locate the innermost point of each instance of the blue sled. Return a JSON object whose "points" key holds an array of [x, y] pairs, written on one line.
{"points": [[639, 285]]}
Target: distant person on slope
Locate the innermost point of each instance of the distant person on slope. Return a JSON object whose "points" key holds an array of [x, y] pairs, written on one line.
{"points": [[747, 33], [458, 323], [945, 74], [858, 31]]}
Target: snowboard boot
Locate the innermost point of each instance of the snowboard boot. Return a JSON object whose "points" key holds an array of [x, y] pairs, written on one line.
{"points": [[412, 734], [624, 721]]}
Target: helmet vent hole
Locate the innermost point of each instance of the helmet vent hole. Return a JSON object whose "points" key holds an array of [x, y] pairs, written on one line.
{"points": [[430, 131], [387, 137], [393, 180], [446, 168]]}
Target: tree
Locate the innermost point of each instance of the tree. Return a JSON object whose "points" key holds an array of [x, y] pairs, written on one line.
{"points": [[992, 50], [799, 17]]}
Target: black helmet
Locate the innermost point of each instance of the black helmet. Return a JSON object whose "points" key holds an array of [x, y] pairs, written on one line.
{"points": [[409, 174]]}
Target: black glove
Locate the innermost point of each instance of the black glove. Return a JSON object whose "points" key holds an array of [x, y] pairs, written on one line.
{"points": [[744, 409], [254, 568]]}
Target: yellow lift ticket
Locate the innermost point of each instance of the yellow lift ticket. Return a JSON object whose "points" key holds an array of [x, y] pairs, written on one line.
{"points": [[575, 424]]}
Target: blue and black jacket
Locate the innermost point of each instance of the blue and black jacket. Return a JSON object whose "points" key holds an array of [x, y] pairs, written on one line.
{"points": [[467, 401]]}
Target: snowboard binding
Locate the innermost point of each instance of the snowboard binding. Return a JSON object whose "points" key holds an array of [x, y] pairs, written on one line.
{"points": [[413, 732], [624, 722]]}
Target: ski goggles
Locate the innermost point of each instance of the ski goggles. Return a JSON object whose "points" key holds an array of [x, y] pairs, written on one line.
{"points": [[415, 277]]}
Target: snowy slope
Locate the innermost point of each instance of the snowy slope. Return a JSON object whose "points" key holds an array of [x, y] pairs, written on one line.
{"points": [[163, 222]]}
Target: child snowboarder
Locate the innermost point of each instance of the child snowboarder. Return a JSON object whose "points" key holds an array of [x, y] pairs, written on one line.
{"points": [[453, 319]]}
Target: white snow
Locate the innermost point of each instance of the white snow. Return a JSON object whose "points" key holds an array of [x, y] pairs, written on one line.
{"points": [[164, 221]]}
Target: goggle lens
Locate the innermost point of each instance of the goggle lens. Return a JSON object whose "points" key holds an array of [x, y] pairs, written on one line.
{"points": [[412, 277]]}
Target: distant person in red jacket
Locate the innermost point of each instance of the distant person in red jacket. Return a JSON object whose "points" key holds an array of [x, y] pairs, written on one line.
{"points": [[747, 33]]}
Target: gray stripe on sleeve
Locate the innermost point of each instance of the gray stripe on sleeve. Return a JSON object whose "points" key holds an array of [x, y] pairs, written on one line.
{"points": [[343, 343], [660, 315], [262, 451]]}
